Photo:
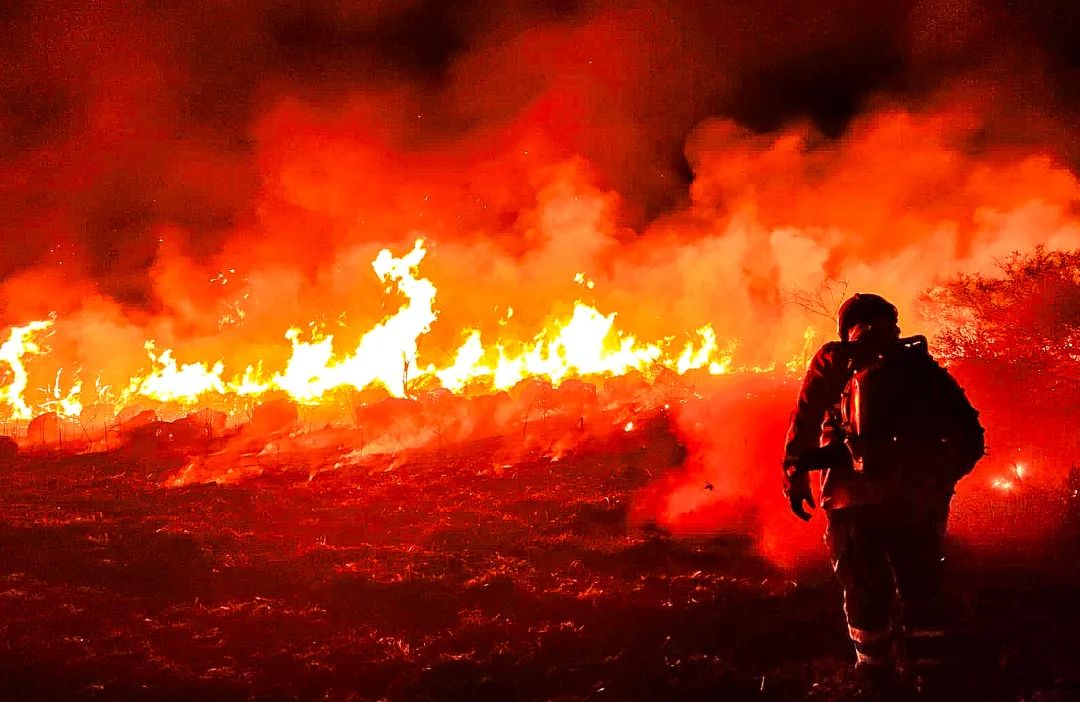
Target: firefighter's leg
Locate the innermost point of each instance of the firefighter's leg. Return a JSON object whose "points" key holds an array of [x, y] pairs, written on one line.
{"points": [[861, 565], [917, 557]]}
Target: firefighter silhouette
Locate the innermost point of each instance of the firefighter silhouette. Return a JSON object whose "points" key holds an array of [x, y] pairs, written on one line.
{"points": [[891, 432]]}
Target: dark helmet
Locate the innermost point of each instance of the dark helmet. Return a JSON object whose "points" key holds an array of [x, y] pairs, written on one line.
{"points": [[865, 308]]}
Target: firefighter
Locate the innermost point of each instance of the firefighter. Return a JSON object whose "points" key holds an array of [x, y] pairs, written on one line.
{"points": [[887, 509]]}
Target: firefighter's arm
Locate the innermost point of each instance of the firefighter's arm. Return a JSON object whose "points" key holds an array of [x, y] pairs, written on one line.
{"points": [[820, 390], [832, 455]]}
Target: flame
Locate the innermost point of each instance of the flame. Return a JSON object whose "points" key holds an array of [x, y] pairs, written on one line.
{"points": [[705, 355], [586, 343], [250, 383], [799, 363], [20, 344], [466, 366], [384, 355], [585, 281], [311, 371], [1008, 484], [1003, 484], [170, 381], [67, 404]]}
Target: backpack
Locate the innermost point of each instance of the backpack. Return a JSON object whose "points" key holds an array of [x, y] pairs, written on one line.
{"points": [[904, 416]]}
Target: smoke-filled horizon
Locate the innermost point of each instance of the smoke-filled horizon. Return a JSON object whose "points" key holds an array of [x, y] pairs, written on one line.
{"points": [[208, 176]]}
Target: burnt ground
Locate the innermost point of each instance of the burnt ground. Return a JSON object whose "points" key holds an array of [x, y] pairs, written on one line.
{"points": [[449, 574]]}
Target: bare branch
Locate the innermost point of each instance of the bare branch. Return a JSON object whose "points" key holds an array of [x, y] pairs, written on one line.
{"points": [[824, 301]]}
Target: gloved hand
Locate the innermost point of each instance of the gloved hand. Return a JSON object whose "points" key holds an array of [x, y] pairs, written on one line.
{"points": [[797, 491]]}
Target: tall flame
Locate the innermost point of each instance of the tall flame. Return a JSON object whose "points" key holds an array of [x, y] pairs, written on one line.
{"points": [[385, 353], [20, 343]]}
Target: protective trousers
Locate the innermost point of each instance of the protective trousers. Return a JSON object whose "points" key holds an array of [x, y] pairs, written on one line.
{"points": [[888, 559]]}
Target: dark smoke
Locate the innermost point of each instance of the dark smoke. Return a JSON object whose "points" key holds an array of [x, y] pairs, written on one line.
{"points": [[119, 120]]}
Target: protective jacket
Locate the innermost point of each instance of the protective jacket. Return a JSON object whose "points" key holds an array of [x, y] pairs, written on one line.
{"points": [[816, 423]]}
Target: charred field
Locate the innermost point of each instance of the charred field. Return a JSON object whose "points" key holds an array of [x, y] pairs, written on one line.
{"points": [[448, 573]]}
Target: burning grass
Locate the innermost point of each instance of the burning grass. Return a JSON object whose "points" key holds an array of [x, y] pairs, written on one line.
{"points": [[447, 572]]}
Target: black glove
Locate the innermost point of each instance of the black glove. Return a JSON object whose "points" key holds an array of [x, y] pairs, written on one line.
{"points": [[797, 491]]}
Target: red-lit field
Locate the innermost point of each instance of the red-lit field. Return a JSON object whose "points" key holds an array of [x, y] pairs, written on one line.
{"points": [[443, 350], [449, 573]]}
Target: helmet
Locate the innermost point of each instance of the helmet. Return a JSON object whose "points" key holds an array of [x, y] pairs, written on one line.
{"points": [[864, 308]]}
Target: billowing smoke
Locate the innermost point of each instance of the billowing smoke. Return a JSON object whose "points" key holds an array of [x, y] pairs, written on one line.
{"points": [[118, 123]]}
